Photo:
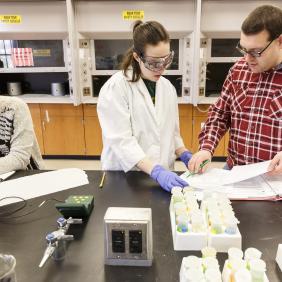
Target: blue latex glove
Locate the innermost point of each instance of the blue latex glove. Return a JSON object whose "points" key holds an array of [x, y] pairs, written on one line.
{"points": [[167, 179], [185, 157]]}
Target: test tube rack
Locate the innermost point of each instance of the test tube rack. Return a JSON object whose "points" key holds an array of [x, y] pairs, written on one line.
{"points": [[195, 241]]}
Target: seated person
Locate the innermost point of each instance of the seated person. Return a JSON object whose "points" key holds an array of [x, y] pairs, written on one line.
{"points": [[18, 145]]}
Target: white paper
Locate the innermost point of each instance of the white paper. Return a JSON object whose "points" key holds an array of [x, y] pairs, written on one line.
{"points": [[41, 184], [252, 188], [275, 182], [6, 175], [216, 177]]}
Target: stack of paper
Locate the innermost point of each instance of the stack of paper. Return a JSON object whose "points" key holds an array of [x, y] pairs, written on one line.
{"points": [[41, 184], [247, 182]]}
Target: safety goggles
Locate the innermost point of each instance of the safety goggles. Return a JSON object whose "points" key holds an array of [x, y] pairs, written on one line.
{"points": [[157, 63], [252, 53]]}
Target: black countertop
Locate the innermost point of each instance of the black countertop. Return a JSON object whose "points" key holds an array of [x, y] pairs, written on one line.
{"points": [[25, 238]]}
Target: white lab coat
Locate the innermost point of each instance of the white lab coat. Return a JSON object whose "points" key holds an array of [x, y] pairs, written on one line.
{"points": [[133, 127]]}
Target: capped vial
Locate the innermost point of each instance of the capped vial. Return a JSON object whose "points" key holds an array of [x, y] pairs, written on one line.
{"points": [[252, 253], [197, 221], [231, 226], [242, 275], [192, 262], [210, 262], [194, 275], [235, 253], [180, 208], [182, 223], [213, 275], [236, 264], [257, 269], [208, 252], [176, 189], [187, 189], [177, 197]]}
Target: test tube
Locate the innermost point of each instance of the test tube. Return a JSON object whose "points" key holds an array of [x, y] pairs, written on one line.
{"points": [[182, 223], [192, 262], [216, 225], [187, 189], [257, 269], [242, 275], [177, 197], [208, 252], [194, 275], [252, 253], [176, 189], [236, 264], [192, 204], [231, 226], [197, 221], [210, 262], [235, 253], [213, 275], [180, 208]]}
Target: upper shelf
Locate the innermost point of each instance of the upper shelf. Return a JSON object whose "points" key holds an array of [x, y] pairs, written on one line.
{"points": [[35, 70]]}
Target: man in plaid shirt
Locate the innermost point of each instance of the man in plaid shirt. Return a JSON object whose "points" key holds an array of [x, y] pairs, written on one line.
{"points": [[250, 105]]}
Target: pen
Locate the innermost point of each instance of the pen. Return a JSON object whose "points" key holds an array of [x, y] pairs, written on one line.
{"points": [[102, 180], [203, 163], [201, 166]]}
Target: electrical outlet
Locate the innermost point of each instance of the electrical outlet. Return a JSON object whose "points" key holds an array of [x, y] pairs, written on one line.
{"points": [[83, 43], [128, 236]]}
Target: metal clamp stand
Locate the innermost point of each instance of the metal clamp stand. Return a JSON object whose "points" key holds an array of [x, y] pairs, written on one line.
{"points": [[57, 240]]}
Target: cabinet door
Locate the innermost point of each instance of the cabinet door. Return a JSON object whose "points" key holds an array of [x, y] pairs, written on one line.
{"points": [[63, 129], [93, 132], [185, 122], [197, 126], [200, 115], [226, 140], [36, 118]]}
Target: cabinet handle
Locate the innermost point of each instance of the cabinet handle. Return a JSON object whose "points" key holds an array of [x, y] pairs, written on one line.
{"points": [[43, 125], [47, 116]]}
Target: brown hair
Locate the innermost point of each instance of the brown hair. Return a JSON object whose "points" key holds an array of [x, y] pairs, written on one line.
{"points": [[151, 33], [265, 17]]}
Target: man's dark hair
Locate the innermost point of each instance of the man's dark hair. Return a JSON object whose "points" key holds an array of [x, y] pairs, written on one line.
{"points": [[265, 17]]}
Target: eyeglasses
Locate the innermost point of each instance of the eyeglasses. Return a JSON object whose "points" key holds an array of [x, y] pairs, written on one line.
{"points": [[252, 53], [157, 63]]}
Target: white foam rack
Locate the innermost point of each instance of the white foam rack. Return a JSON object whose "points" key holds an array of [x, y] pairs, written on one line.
{"points": [[226, 274], [191, 241]]}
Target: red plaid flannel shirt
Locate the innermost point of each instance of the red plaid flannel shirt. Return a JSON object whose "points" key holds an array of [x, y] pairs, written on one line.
{"points": [[250, 107]]}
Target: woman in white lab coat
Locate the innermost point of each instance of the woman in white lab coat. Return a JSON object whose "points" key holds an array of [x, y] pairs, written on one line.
{"points": [[138, 111]]}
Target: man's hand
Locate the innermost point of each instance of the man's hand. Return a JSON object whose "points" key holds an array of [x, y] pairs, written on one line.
{"points": [[275, 166], [197, 159]]}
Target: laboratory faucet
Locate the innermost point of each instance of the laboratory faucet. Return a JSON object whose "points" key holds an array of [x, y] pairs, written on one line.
{"points": [[56, 240]]}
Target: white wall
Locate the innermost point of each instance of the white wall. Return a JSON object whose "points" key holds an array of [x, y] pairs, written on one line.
{"points": [[104, 19], [40, 20], [224, 18]]}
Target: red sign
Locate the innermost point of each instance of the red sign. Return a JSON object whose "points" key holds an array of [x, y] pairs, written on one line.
{"points": [[22, 57]]}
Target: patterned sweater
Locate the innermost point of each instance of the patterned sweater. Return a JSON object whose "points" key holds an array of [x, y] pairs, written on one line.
{"points": [[18, 145]]}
